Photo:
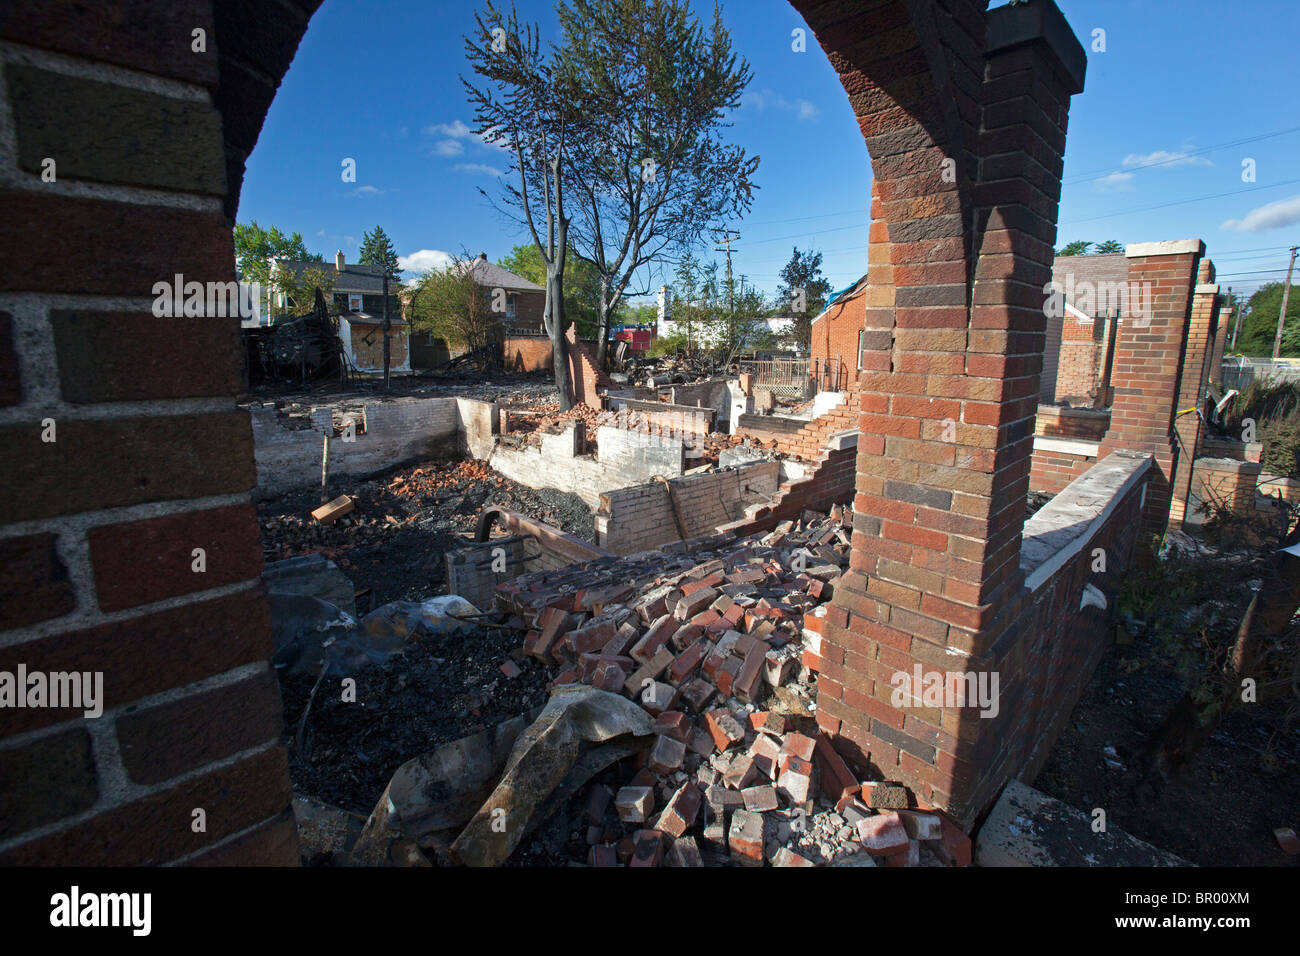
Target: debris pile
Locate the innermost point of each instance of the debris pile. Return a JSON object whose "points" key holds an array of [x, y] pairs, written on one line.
{"points": [[710, 643], [391, 541]]}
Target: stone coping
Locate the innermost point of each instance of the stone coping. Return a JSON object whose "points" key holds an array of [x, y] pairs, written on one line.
{"points": [[1062, 527]]}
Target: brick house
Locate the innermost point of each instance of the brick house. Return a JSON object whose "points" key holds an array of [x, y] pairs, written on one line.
{"points": [[838, 338], [521, 303]]}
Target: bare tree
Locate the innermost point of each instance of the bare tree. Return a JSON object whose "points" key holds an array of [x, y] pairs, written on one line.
{"points": [[653, 87], [521, 108]]}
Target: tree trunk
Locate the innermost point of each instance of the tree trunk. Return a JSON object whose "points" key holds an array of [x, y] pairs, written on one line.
{"points": [[602, 324], [554, 320]]}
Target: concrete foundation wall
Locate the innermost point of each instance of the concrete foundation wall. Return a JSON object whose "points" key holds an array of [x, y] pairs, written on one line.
{"points": [[625, 458], [395, 432]]}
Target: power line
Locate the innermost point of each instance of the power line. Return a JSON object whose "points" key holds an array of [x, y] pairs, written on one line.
{"points": [[1182, 156], [1181, 202]]}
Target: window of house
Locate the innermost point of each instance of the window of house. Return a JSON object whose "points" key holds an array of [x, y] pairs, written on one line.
{"points": [[510, 305], [354, 302]]}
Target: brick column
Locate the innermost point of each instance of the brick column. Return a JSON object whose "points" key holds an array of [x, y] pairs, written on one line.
{"points": [[1202, 331], [129, 548], [935, 576], [1149, 354]]}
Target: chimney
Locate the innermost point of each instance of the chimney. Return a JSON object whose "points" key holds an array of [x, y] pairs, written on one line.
{"points": [[338, 260]]}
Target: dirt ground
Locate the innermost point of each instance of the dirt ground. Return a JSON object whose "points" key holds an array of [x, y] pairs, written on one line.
{"points": [[442, 689], [392, 545], [1243, 784]]}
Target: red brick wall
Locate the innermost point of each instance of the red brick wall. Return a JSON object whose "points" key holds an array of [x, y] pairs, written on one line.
{"points": [[835, 338], [585, 375], [1147, 373], [151, 460], [528, 353]]}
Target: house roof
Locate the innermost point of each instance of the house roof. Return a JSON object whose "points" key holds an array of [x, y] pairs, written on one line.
{"points": [[491, 275], [354, 277], [839, 298]]}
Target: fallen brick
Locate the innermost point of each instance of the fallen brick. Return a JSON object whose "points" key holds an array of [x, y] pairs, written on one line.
{"points": [[745, 837], [667, 754], [883, 834], [760, 799], [685, 853], [837, 780], [681, 811], [723, 728], [921, 826], [634, 804], [649, 848], [884, 796], [787, 857]]}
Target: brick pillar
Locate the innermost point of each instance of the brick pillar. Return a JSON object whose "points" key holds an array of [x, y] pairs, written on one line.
{"points": [[1202, 331], [1215, 370], [129, 548], [1147, 374], [935, 576]]}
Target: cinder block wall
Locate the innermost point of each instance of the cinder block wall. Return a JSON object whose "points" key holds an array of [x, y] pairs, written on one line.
{"points": [[642, 516], [126, 457]]}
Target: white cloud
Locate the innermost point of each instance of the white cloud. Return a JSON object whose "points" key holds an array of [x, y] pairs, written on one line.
{"points": [[448, 147], [1115, 182], [1163, 158], [478, 168], [424, 260], [1272, 215], [367, 191], [764, 99], [455, 129]]}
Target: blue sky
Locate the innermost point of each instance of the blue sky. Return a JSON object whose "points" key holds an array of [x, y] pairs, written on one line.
{"points": [[1185, 92]]}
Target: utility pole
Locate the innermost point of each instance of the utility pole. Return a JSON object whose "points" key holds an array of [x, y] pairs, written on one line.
{"points": [[388, 325], [1236, 325], [727, 238], [1286, 294]]}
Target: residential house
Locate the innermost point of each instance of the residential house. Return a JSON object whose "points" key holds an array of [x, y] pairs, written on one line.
{"points": [[358, 300], [838, 338]]}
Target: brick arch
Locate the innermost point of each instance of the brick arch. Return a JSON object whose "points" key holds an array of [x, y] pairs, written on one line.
{"points": [[152, 459], [954, 318]]}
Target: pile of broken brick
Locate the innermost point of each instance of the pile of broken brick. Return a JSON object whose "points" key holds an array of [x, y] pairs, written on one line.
{"points": [[708, 637]]}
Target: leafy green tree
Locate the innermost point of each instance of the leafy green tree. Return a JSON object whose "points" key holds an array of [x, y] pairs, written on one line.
{"points": [[1259, 321], [581, 284], [651, 168], [300, 290], [377, 250], [803, 291], [452, 305], [255, 247], [1076, 248], [1109, 247]]}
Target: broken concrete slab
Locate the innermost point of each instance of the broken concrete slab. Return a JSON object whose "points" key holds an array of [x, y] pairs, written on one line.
{"points": [[1029, 828]]}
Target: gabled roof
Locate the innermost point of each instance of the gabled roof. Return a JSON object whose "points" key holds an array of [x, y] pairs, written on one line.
{"points": [[492, 276], [839, 298], [354, 277]]}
